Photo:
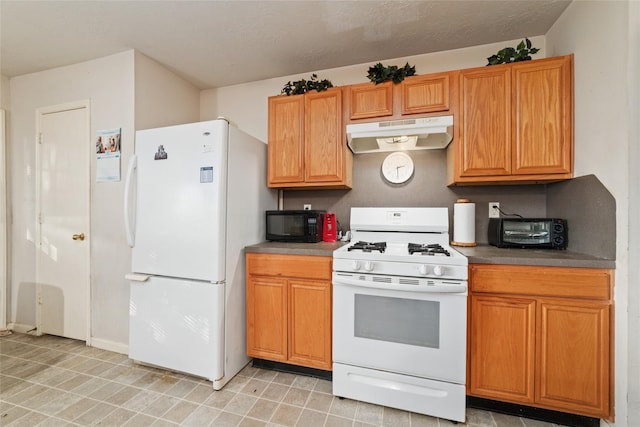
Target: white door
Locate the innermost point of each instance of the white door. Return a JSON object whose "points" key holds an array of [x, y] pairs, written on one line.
{"points": [[3, 228], [62, 263]]}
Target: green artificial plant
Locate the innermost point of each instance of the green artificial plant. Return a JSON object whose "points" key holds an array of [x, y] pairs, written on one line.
{"points": [[522, 52], [301, 86], [379, 73]]}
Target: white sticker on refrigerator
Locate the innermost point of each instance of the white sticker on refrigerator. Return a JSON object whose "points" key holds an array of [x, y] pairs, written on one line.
{"points": [[206, 174]]}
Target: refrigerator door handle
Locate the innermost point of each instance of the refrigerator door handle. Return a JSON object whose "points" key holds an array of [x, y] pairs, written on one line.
{"points": [[137, 277], [133, 165]]}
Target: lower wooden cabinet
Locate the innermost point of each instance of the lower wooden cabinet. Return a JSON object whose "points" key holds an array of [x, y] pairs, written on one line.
{"points": [[542, 337], [573, 356], [289, 309], [502, 348]]}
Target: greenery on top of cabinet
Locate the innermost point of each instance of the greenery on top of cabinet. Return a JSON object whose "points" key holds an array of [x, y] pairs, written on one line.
{"points": [[522, 52], [380, 74], [302, 86]]}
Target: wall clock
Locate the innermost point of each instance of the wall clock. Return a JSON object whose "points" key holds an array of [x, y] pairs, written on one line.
{"points": [[397, 167]]}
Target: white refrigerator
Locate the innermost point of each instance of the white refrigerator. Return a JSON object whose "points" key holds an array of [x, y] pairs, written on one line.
{"points": [[195, 196]]}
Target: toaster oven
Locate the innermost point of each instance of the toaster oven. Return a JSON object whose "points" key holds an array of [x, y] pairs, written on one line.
{"points": [[535, 233]]}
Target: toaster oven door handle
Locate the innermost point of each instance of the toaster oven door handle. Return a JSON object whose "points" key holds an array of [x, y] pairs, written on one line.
{"points": [[525, 234]]}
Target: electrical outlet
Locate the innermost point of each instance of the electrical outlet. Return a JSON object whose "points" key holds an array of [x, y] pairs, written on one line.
{"points": [[306, 207], [494, 210]]}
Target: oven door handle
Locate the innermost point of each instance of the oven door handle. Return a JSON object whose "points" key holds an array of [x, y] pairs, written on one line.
{"points": [[441, 288]]}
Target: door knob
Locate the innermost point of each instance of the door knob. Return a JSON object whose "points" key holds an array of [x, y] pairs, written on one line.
{"points": [[78, 236]]}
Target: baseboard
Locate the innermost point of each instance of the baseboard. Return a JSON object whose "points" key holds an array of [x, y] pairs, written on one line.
{"points": [[100, 343], [292, 369], [547, 415], [116, 347], [21, 328]]}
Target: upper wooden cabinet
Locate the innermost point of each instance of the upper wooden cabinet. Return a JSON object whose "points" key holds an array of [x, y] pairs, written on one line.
{"points": [[514, 123], [307, 145], [286, 140], [542, 336], [426, 95], [483, 143], [430, 93], [368, 100]]}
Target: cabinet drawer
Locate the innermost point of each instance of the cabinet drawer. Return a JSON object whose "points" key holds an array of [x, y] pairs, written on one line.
{"points": [[304, 266], [587, 283]]}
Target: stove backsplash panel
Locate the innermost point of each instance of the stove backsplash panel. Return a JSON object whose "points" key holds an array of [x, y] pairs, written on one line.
{"points": [[590, 211], [427, 188], [583, 201]]}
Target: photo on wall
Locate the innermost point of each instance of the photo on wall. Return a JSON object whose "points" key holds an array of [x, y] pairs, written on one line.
{"points": [[108, 155]]}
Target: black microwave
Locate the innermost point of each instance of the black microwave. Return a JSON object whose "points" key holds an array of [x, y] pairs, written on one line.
{"points": [[303, 226], [533, 233]]}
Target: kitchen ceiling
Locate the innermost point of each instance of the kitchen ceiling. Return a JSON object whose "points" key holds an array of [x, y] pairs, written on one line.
{"points": [[221, 43]]}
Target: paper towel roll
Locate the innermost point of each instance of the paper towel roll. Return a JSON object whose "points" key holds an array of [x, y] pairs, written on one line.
{"points": [[464, 223]]}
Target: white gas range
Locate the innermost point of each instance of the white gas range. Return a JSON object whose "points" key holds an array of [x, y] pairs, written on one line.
{"points": [[399, 312]]}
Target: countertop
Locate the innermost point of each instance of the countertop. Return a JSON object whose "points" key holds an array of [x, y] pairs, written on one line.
{"points": [[313, 249], [481, 254], [487, 254]]}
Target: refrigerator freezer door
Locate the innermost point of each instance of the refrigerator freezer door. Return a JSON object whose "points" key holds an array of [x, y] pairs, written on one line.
{"points": [[177, 324], [180, 201]]}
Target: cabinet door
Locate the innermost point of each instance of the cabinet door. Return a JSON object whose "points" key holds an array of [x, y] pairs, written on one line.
{"points": [[285, 140], [425, 94], [484, 118], [369, 100], [324, 137], [310, 323], [502, 348], [267, 317], [542, 117], [573, 357]]}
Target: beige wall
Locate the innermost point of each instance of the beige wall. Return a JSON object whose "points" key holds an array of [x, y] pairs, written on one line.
{"points": [[161, 97], [120, 87], [598, 33], [633, 72], [108, 83], [5, 99], [4, 118], [246, 104]]}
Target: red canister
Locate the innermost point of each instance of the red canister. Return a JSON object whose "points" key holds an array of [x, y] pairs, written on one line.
{"points": [[329, 228]]}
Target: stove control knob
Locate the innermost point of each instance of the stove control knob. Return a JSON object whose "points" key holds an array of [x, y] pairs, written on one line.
{"points": [[355, 265], [437, 270], [423, 269], [368, 266]]}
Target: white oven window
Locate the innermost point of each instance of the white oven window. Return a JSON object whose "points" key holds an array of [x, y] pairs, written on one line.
{"points": [[398, 320]]}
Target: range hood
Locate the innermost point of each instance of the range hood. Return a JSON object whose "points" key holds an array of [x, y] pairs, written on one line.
{"points": [[400, 135]]}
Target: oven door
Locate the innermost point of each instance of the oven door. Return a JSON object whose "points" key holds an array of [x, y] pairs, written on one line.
{"points": [[407, 329]]}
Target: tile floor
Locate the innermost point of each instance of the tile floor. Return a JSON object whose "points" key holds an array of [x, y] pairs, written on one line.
{"points": [[53, 381]]}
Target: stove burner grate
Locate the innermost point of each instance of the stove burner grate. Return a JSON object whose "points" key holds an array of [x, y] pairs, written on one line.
{"points": [[368, 246], [430, 249]]}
